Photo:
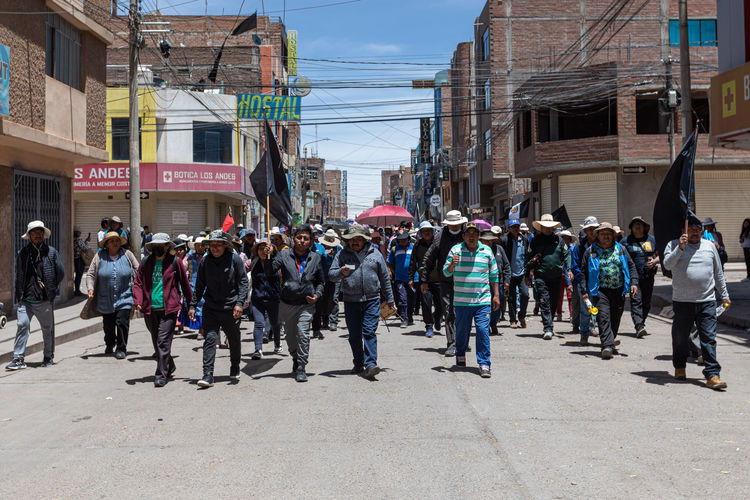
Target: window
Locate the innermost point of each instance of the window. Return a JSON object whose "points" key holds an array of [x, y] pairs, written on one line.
{"points": [[121, 139], [485, 44], [63, 56], [526, 129], [542, 125], [487, 94], [649, 118], [312, 173], [701, 32], [700, 112], [488, 144], [212, 143], [517, 129]]}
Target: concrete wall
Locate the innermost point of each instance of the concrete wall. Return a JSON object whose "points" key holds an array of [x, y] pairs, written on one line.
{"points": [[65, 111]]}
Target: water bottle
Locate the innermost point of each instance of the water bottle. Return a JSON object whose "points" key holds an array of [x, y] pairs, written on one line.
{"points": [[592, 310], [720, 310]]}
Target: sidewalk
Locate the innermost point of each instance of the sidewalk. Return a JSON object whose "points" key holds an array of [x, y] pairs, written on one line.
{"points": [[68, 326], [737, 316]]}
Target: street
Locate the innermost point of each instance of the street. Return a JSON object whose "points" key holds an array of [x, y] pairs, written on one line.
{"points": [[554, 421]]}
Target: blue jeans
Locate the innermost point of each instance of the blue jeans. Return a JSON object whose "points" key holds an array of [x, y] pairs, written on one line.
{"points": [[405, 301], [260, 308], [362, 321], [518, 298], [703, 315], [585, 315], [44, 312], [481, 317]]}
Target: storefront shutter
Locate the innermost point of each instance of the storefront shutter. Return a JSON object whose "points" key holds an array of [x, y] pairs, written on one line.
{"points": [[180, 216], [589, 194]]}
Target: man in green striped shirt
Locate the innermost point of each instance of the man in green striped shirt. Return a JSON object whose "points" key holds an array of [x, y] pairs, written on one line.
{"points": [[474, 269]]}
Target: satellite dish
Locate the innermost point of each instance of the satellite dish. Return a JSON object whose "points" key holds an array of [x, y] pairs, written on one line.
{"points": [[300, 86]]}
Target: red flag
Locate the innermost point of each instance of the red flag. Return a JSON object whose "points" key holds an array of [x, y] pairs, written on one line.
{"points": [[228, 221]]}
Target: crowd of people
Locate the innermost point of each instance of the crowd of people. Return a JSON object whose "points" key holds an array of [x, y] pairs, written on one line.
{"points": [[463, 276]]}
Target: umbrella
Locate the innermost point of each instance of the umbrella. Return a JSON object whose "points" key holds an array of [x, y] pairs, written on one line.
{"points": [[384, 215], [482, 224]]}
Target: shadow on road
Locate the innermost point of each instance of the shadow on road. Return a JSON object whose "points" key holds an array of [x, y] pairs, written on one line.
{"points": [[664, 378], [436, 350], [258, 366]]}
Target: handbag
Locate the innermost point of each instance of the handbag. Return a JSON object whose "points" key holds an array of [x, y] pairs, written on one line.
{"points": [[386, 311], [89, 309]]}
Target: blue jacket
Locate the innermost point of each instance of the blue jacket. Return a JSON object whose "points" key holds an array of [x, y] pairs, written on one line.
{"points": [[590, 268]]}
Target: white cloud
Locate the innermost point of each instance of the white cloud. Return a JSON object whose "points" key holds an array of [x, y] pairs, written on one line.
{"points": [[381, 49]]}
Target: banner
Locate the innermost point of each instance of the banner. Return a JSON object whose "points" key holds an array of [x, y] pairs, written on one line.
{"points": [[291, 63], [424, 140], [268, 107], [4, 80]]}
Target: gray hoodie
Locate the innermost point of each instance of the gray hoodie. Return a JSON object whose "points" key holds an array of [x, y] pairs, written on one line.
{"points": [[696, 272], [368, 281]]}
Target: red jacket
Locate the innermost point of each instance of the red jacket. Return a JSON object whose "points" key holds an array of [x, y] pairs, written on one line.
{"points": [[172, 300]]}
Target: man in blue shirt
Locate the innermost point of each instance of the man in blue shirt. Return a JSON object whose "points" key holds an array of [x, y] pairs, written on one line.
{"points": [[398, 264], [516, 247], [642, 248]]}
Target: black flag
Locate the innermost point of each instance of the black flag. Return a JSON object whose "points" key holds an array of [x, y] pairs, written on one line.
{"points": [[671, 206], [215, 69], [269, 181], [561, 216], [248, 24]]}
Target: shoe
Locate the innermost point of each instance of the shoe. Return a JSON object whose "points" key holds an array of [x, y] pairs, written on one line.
{"points": [[160, 382], [77, 294], [522, 321], [547, 335], [120, 355], [410, 323], [536, 310], [468, 348], [699, 361], [460, 360], [502, 318], [679, 374], [316, 334], [584, 341], [559, 317], [257, 355], [109, 350], [372, 370], [617, 342], [321, 336], [485, 372], [404, 324], [450, 351], [234, 374], [153, 356], [301, 375], [278, 350], [513, 325], [206, 381], [493, 330], [333, 328], [576, 330], [607, 353], [16, 364], [716, 383], [641, 332], [594, 332], [429, 333], [266, 340], [357, 370], [46, 363]]}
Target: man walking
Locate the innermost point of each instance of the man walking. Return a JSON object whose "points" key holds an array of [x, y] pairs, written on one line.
{"points": [[642, 248], [222, 282], [364, 277], [474, 270], [516, 247], [301, 288], [39, 272], [398, 263], [435, 258], [80, 249], [328, 246], [429, 283], [697, 282]]}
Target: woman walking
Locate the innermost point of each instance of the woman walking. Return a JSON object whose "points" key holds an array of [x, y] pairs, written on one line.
{"points": [[264, 301], [110, 282], [157, 295]]}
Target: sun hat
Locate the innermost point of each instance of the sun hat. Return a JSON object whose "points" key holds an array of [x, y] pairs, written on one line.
{"points": [[110, 235], [454, 218], [605, 226], [355, 230], [618, 230], [275, 230], [708, 221], [567, 233], [488, 235], [496, 230], [115, 219], [640, 219], [191, 244], [159, 239], [36, 224], [425, 225], [219, 235], [329, 239], [524, 227], [182, 237], [546, 221], [590, 221], [247, 232], [514, 222]]}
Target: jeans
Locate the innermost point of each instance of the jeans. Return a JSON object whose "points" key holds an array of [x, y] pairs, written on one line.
{"points": [[449, 314], [323, 307], [518, 287], [703, 315], [640, 305], [44, 311], [116, 328], [430, 299], [495, 315], [296, 321], [79, 267], [611, 303], [333, 318], [405, 301], [481, 317], [161, 327], [260, 308], [584, 316], [548, 293], [362, 321], [212, 322]]}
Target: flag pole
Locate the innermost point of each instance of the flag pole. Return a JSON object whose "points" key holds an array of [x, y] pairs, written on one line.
{"points": [[268, 216]]}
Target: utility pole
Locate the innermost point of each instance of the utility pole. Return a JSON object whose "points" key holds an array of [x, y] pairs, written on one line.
{"points": [[669, 101], [687, 103], [134, 131]]}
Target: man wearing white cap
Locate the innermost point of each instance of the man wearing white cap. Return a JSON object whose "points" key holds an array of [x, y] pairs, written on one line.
{"points": [[39, 272]]}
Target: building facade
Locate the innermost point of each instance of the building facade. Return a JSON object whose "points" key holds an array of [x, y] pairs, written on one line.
{"points": [[335, 200]]}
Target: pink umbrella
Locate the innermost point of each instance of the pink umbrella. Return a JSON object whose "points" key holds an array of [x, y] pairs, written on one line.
{"points": [[384, 215], [482, 224]]}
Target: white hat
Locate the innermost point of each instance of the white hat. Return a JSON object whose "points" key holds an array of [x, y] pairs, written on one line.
{"points": [[318, 228], [36, 224], [183, 237], [160, 239], [454, 218], [425, 225], [496, 230], [329, 239], [590, 221], [546, 221], [275, 230], [199, 239], [524, 227], [567, 233]]}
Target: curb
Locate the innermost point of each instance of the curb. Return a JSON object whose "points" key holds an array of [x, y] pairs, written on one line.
{"points": [[59, 339], [728, 318]]}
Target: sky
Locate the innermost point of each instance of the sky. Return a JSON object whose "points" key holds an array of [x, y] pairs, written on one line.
{"points": [[414, 31]]}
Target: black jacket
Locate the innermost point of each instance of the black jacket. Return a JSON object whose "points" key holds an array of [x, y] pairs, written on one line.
{"points": [[52, 270], [417, 262], [294, 288], [503, 265], [506, 243], [264, 287], [438, 252], [222, 282]]}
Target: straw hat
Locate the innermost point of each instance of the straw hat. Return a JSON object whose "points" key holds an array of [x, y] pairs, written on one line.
{"points": [[36, 224], [546, 221], [111, 235], [605, 226], [356, 230], [329, 239], [454, 218], [566, 233]]}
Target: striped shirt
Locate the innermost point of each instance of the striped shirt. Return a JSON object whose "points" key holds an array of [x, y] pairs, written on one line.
{"points": [[473, 275]]}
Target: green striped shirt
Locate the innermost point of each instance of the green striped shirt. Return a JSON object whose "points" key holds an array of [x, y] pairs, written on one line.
{"points": [[473, 275]]}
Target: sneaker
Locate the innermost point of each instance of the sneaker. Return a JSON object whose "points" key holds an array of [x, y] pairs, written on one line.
{"points": [[278, 350], [234, 374], [120, 355], [641, 332], [607, 353], [716, 383], [404, 324], [522, 322], [460, 360], [333, 327], [451, 351], [513, 325], [372, 370], [257, 355], [16, 364], [547, 335], [47, 362], [301, 375], [680, 374], [160, 382], [206, 381], [266, 340], [429, 333], [485, 372]]}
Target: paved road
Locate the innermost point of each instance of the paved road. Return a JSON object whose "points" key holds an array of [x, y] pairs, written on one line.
{"points": [[555, 421]]}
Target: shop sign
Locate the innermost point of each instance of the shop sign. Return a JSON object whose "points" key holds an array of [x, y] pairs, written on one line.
{"points": [[199, 177], [730, 103], [179, 218], [292, 52], [271, 107]]}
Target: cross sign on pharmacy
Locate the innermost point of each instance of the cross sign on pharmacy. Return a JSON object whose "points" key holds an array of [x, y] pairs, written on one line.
{"points": [[729, 96]]}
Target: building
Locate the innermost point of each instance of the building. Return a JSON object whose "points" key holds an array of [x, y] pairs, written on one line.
{"points": [[312, 182], [194, 166], [335, 200], [396, 186], [52, 118], [464, 183]]}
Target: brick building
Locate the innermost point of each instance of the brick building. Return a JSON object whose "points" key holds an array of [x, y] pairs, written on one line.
{"points": [[52, 118], [463, 175], [312, 187], [335, 200], [395, 186]]}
